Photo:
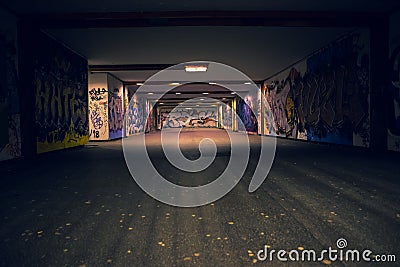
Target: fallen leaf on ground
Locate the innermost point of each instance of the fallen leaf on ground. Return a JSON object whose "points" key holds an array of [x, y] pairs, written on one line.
{"points": [[326, 262]]}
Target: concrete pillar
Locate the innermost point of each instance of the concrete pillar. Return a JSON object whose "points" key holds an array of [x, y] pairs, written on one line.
{"points": [[220, 114], [379, 71], [262, 111], [234, 121], [26, 46]]}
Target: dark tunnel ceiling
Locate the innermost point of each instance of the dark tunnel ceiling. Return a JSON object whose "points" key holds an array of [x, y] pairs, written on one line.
{"points": [[79, 6], [257, 51]]}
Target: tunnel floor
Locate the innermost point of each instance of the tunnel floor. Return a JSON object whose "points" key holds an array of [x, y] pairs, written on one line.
{"points": [[81, 207]]}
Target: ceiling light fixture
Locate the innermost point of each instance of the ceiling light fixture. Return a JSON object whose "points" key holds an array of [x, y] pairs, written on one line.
{"points": [[247, 83], [233, 93], [177, 93], [150, 93], [174, 84], [205, 93], [212, 83], [195, 68], [139, 84], [201, 99]]}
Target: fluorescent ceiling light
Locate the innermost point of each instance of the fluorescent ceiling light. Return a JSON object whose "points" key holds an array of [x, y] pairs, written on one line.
{"points": [[177, 93], [201, 99], [233, 93], [175, 83], [212, 83], [149, 93], [205, 93], [223, 98], [139, 84], [247, 83], [195, 68]]}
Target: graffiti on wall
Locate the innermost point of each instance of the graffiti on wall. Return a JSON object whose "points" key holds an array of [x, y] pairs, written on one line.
{"points": [[393, 97], [329, 102], [10, 133], [189, 117], [227, 117], [97, 94], [98, 114], [244, 110], [61, 97], [115, 113], [134, 117]]}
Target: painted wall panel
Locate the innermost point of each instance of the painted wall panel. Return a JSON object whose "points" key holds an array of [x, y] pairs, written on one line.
{"points": [[98, 107], [151, 122], [325, 97], [134, 118], [189, 117], [10, 133], [115, 107], [227, 116], [247, 116], [60, 79], [393, 92], [106, 107]]}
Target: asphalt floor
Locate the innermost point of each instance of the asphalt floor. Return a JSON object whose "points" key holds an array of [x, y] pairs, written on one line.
{"points": [[81, 207]]}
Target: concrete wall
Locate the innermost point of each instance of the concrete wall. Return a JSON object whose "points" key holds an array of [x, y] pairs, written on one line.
{"points": [[134, 118], [244, 109], [325, 97], [98, 106], [393, 93], [10, 134], [106, 107], [115, 107], [60, 83]]}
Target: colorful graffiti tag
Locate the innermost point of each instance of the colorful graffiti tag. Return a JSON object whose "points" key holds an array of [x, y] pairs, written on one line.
{"points": [[330, 101], [244, 110], [134, 118], [61, 97], [115, 113], [189, 117]]}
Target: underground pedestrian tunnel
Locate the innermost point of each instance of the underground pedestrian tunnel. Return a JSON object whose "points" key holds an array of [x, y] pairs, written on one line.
{"points": [[84, 85]]}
